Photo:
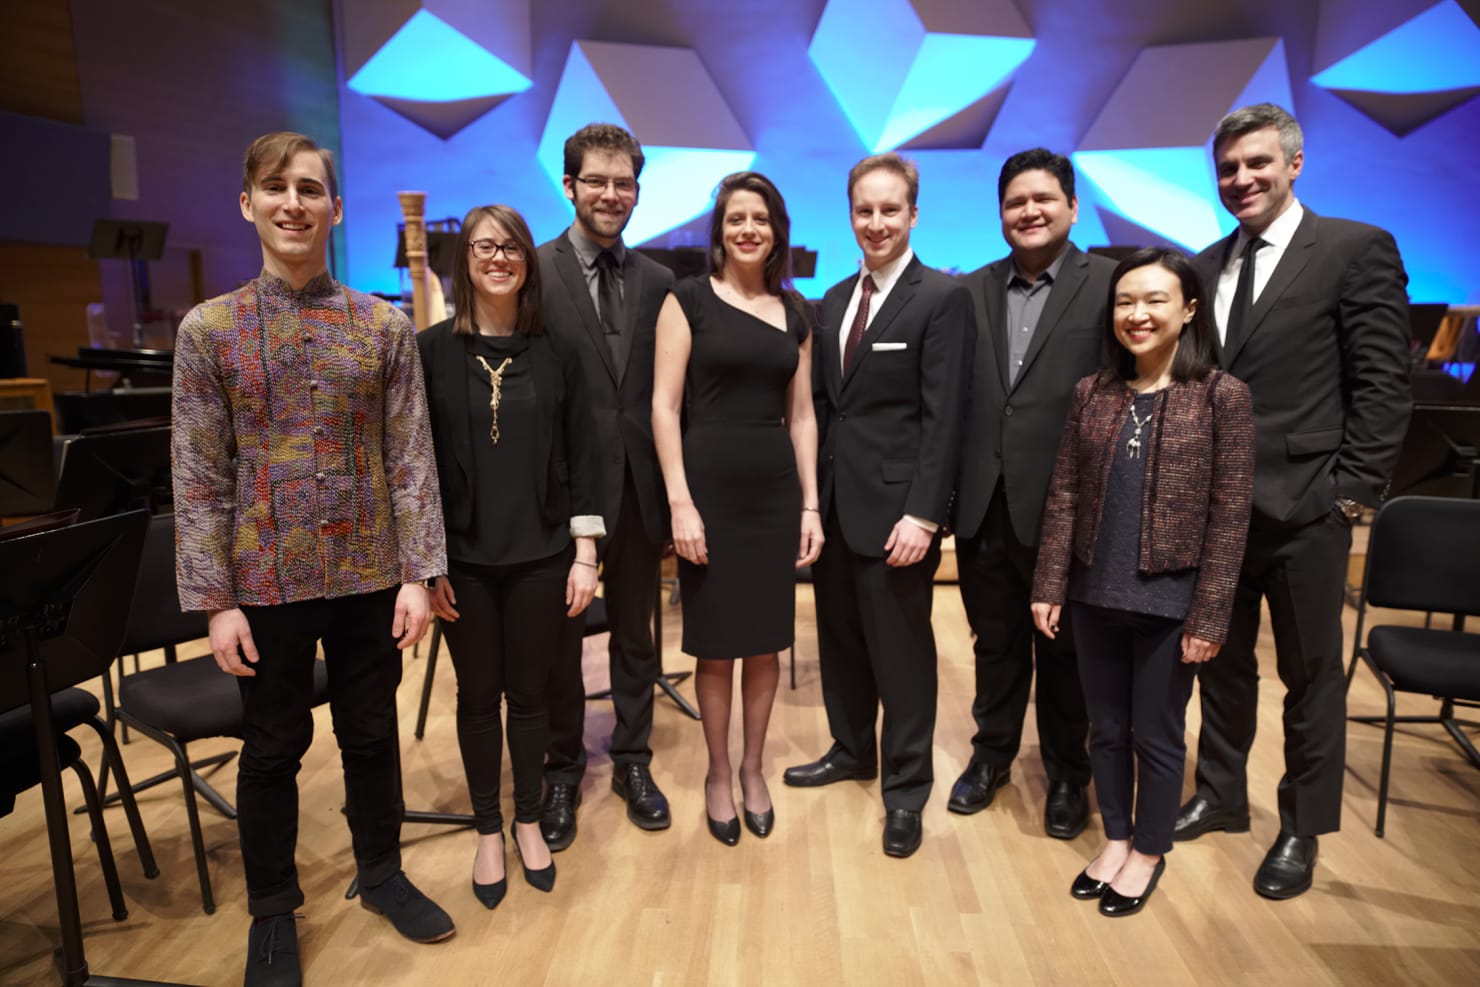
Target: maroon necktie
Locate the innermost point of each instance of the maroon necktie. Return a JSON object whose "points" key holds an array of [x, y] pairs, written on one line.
{"points": [[860, 322]]}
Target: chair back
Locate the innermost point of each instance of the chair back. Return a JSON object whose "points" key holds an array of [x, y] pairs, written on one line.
{"points": [[1424, 554], [155, 619]]}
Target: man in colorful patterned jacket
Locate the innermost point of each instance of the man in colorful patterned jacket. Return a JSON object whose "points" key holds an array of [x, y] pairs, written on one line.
{"points": [[307, 511]]}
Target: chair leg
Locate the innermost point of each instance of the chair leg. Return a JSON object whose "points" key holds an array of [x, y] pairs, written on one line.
{"points": [[192, 811], [100, 837], [426, 682], [1387, 759], [112, 756], [1452, 724], [791, 659]]}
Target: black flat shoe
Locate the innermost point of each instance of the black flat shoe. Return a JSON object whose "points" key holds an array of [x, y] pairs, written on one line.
{"points": [[490, 894], [1086, 888], [542, 879], [1117, 905], [727, 833], [1201, 816], [1288, 868]]}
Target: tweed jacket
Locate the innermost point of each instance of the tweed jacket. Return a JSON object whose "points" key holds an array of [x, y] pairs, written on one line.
{"points": [[302, 454], [1197, 496]]}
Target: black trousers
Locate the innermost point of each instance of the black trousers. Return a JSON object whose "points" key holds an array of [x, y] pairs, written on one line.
{"points": [[630, 591], [876, 646], [1301, 572], [996, 576], [364, 669], [503, 646], [1137, 687]]}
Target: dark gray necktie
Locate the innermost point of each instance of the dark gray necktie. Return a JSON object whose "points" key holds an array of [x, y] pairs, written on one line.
{"points": [[1243, 296], [609, 302]]}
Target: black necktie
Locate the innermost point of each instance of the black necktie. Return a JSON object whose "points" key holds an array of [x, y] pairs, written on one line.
{"points": [[609, 301], [1243, 296]]}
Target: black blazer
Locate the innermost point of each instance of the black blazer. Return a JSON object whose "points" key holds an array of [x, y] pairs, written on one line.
{"points": [[890, 432], [621, 396], [1325, 354], [1012, 430], [568, 486]]}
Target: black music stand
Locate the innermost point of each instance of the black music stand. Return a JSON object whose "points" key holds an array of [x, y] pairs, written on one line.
{"points": [[62, 617], [138, 242], [1440, 455], [117, 468], [27, 463]]}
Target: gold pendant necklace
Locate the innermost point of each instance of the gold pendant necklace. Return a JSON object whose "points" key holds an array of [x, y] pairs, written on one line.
{"points": [[1133, 446], [495, 381]]}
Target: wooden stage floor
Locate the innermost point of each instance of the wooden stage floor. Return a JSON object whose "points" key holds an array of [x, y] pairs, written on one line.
{"points": [[985, 900]]}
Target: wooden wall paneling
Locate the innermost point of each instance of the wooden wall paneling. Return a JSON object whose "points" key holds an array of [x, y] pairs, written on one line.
{"points": [[38, 75], [53, 287]]}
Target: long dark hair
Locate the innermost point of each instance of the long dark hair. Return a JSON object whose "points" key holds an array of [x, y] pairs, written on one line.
{"points": [[1194, 357], [778, 262], [529, 321]]}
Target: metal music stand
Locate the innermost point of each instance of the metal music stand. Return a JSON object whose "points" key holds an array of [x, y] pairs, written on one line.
{"points": [[27, 467], [138, 242], [117, 468], [63, 609]]}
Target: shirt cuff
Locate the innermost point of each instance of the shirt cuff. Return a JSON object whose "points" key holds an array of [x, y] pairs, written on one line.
{"points": [[929, 526], [587, 526]]}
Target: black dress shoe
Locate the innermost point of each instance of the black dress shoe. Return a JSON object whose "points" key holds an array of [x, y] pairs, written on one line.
{"points": [[646, 806], [1288, 868], [901, 832], [542, 879], [272, 953], [558, 821], [1086, 888], [414, 915], [1200, 816], [727, 833], [1117, 905], [973, 791], [1067, 811], [825, 771]]}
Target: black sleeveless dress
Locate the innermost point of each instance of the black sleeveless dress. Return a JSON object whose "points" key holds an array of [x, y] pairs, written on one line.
{"points": [[742, 476]]}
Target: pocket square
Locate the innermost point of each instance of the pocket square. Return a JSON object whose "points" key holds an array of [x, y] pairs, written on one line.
{"points": [[889, 347]]}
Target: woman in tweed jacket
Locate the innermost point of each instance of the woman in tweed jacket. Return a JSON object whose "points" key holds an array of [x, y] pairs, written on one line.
{"points": [[1143, 534]]}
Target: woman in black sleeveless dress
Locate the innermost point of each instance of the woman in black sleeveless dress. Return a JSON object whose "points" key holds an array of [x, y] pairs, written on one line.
{"points": [[742, 477]]}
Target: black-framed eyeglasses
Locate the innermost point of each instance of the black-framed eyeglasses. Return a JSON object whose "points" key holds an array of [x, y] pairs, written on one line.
{"points": [[488, 249], [599, 183]]}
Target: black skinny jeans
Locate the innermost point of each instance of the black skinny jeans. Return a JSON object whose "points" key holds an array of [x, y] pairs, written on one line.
{"points": [[504, 645]]}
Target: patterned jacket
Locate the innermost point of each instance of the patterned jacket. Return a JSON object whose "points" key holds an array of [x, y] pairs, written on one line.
{"points": [[302, 452], [1197, 496]]}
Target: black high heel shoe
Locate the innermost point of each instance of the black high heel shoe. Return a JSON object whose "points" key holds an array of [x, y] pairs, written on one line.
{"points": [[491, 894], [1115, 904], [759, 823], [542, 879], [727, 833]]}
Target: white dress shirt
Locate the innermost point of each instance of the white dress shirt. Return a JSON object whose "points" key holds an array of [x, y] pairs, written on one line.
{"points": [[1276, 238], [885, 279]]}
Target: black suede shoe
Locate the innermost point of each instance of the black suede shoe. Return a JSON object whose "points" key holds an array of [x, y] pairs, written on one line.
{"points": [[1289, 867], [558, 821], [414, 915], [1200, 816], [1117, 905], [901, 832], [1067, 811], [825, 771], [646, 806], [1086, 888], [272, 953], [974, 790]]}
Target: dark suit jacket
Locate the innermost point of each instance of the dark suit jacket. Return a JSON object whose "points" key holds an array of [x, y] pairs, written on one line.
{"points": [[1325, 353], [621, 396], [890, 432], [1013, 429], [568, 486], [1194, 506]]}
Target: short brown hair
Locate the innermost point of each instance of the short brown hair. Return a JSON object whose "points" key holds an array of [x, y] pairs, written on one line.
{"points": [[903, 167], [606, 137], [271, 152], [529, 321]]}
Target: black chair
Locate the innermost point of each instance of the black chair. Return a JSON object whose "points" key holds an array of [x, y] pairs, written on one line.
{"points": [[1424, 556], [181, 702]]}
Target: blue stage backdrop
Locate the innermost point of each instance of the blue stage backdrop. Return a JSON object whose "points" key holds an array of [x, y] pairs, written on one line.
{"points": [[470, 102]]}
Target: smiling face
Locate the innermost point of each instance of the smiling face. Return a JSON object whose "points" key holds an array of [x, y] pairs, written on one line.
{"points": [[882, 216], [1255, 181], [496, 279], [1149, 316], [748, 238], [1037, 217], [602, 213], [294, 214]]}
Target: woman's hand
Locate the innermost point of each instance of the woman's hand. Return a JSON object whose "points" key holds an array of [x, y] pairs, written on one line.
{"points": [[443, 600], [688, 534], [1196, 650], [1046, 618], [812, 539], [580, 587]]}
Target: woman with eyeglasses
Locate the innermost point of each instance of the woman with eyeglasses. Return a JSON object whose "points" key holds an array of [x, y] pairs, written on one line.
{"points": [[517, 467], [733, 348], [1143, 535]]}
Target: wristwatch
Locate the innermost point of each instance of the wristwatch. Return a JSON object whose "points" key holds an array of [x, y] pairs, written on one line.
{"points": [[1349, 509]]}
